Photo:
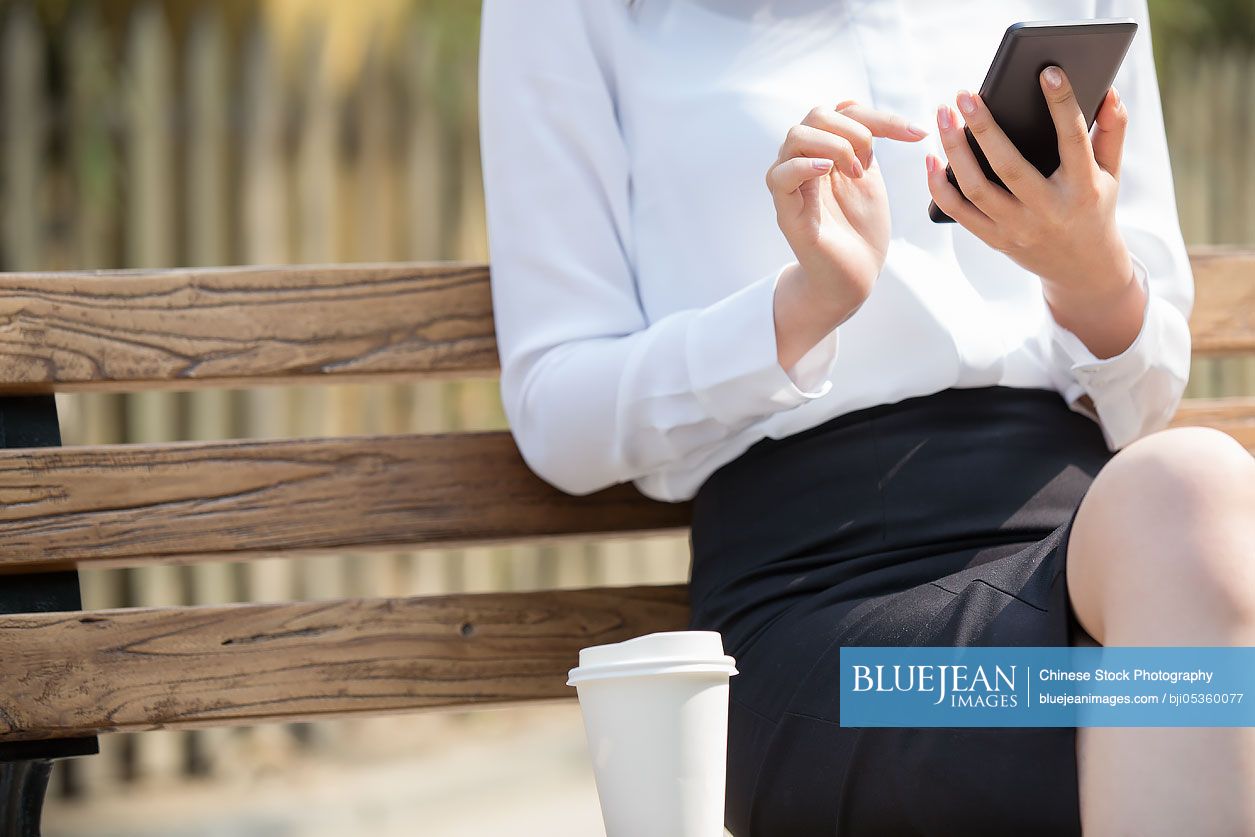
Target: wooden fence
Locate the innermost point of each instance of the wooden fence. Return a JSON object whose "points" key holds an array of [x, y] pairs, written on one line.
{"points": [[214, 145]]}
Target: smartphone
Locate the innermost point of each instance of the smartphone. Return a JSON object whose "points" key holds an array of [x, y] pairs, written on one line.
{"points": [[1089, 51]]}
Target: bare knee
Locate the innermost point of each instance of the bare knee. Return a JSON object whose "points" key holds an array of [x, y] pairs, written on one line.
{"points": [[1166, 534], [1199, 470]]}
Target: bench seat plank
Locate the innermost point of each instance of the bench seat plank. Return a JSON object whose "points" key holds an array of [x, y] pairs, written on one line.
{"points": [[71, 674], [116, 505]]}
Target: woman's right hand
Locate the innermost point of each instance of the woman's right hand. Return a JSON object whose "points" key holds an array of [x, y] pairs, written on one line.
{"points": [[832, 207]]}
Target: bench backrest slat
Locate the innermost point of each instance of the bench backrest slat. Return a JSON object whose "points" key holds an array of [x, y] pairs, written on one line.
{"points": [[125, 505], [128, 330], [148, 668], [131, 504], [1223, 319], [1235, 416]]}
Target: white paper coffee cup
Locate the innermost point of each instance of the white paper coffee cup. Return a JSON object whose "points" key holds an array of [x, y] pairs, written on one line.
{"points": [[655, 713]]}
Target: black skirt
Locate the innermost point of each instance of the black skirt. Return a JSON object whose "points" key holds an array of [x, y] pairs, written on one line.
{"points": [[937, 520]]}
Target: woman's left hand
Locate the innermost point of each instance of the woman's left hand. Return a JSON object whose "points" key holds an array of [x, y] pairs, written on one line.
{"points": [[1063, 227]]}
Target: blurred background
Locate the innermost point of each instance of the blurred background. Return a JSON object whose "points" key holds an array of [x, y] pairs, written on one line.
{"points": [[137, 133]]}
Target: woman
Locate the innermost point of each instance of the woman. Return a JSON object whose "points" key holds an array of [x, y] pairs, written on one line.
{"points": [[894, 432]]}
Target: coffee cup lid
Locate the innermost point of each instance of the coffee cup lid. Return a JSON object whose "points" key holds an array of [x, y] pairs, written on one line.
{"points": [[656, 653]]}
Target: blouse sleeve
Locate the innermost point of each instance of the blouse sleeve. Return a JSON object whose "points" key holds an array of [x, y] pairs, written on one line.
{"points": [[1137, 391], [595, 394]]}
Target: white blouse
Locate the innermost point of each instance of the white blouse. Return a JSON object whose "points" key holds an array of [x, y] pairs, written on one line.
{"points": [[634, 248]]}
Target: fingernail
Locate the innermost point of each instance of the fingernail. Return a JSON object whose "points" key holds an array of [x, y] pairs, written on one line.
{"points": [[943, 118], [916, 130], [1116, 95], [820, 163], [856, 168], [930, 162], [1054, 78], [966, 103]]}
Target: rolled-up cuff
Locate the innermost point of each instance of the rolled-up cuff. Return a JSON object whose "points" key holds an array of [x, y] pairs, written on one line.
{"points": [[1126, 388], [732, 359], [1088, 368]]}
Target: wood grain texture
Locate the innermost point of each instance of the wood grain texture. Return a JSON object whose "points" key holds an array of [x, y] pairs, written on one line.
{"points": [[131, 504], [127, 330], [127, 505], [1235, 416], [141, 669], [1223, 319]]}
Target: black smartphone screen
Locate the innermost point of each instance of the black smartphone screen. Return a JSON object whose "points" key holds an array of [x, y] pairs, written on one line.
{"points": [[1089, 51]]}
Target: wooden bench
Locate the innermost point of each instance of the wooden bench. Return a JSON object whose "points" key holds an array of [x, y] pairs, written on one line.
{"points": [[70, 675]]}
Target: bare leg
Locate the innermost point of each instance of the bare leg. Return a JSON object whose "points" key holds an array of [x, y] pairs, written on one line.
{"points": [[1163, 553]]}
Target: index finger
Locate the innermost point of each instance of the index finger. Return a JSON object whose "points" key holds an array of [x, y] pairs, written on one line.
{"points": [[881, 123], [1075, 152]]}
